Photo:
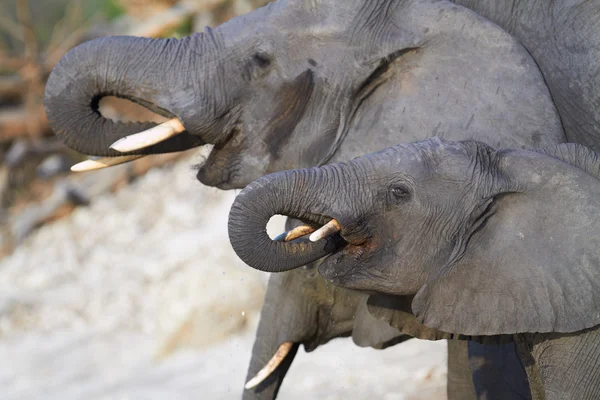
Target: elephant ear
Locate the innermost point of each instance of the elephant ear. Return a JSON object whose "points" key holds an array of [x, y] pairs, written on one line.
{"points": [[577, 155], [395, 311], [530, 261], [370, 331]]}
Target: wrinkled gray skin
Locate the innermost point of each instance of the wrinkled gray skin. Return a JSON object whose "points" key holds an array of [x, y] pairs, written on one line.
{"points": [[302, 307], [563, 36], [302, 83], [494, 245]]}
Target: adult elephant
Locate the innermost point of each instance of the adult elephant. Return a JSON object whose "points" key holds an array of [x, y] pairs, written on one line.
{"points": [[488, 245], [303, 83], [563, 36]]}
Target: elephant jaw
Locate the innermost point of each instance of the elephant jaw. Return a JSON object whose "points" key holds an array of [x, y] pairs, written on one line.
{"points": [[337, 266], [331, 268]]}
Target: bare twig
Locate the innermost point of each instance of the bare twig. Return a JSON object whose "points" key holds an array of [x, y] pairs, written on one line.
{"points": [[9, 26], [71, 20], [14, 121], [58, 50], [31, 72], [11, 87], [80, 188], [67, 32], [24, 17], [11, 64]]}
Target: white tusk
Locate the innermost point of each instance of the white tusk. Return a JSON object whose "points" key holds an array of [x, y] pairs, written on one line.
{"points": [[159, 133], [90, 165], [282, 351], [326, 230]]}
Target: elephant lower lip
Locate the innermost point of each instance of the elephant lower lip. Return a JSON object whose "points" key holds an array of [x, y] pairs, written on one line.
{"points": [[210, 175]]}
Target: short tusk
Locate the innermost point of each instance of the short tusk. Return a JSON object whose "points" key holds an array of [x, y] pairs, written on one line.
{"points": [[280, 354], [295, 233], [90, 165], [159, 133], [326, 230], [298, 232]]}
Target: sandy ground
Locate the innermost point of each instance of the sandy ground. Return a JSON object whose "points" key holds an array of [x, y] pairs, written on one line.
{"points": [[139, 296]]}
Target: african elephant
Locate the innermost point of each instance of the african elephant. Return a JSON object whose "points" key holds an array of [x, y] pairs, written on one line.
{"points": [[488, 245], [303, 83], [302, 307], [563, 36]]}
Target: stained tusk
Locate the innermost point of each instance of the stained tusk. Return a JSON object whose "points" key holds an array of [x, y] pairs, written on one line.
{"points": [[294, 233], [278, 357], [159, 133], [326, 230], [90, 165], [298, 232]]}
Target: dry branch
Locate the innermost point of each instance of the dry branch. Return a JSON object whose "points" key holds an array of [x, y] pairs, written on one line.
{"points": [[15, 122], [11, 87], [9, 26], [80, 188], [22, 115]]}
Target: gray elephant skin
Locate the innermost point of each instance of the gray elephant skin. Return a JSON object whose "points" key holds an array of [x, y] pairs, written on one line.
{"points": [[297, 84], [493, 245], [563, 36]]}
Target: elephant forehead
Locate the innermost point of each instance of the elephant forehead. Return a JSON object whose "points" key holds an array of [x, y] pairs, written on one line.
{"points": [[448, 159]]}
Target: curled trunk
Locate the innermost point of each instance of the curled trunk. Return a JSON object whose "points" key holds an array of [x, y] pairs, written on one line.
{"points": [[136, 69], [287, 193]]}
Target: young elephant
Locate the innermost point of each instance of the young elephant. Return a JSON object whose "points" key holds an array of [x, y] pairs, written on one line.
{"points": [[489, 242]]}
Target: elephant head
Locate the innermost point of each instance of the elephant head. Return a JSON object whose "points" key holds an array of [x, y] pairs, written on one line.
{"points": [[284, 86], [488, 241]]}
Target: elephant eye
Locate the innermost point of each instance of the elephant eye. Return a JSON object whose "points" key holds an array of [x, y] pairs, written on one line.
{"points": [[261, 60], [400, 192]]}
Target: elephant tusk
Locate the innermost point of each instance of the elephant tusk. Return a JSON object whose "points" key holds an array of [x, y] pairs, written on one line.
{"points": [[294, 233], [159, 133], [326, 230], [92, 164], [278, 357], [298, 232]]}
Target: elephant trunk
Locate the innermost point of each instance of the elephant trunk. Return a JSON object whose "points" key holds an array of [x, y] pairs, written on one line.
{"points": [[288, 193], [150, 72]]}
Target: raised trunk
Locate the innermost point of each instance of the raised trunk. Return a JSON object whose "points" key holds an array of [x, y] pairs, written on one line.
{"points": [[150, 72], [288, 193]]}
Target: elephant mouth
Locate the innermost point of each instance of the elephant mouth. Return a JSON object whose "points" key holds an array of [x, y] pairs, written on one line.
{"points": [[158, 134], [219, 169], [353, 242]]}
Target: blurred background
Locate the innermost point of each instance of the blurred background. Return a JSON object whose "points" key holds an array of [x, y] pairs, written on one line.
{"points": [[121, 283]]}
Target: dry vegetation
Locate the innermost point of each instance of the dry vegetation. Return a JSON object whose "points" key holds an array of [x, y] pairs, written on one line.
{"points": [[35, 184]]}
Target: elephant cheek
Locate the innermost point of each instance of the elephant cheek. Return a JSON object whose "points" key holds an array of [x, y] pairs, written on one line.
{"points": [[335, 268]]}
